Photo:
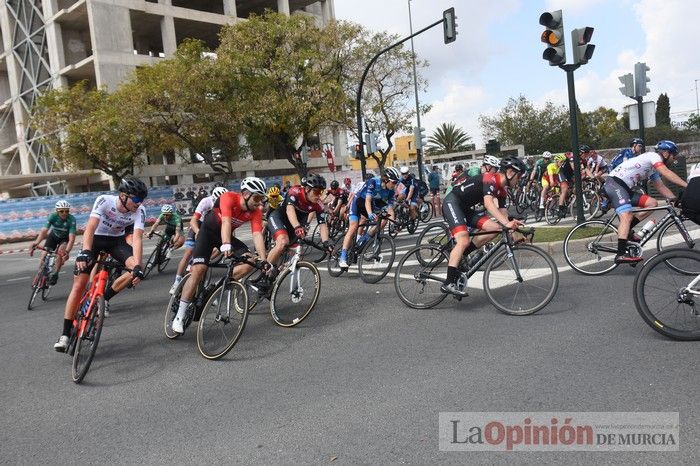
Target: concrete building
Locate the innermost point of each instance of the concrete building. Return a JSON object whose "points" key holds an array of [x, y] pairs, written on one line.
{"points": [[56, 43]]}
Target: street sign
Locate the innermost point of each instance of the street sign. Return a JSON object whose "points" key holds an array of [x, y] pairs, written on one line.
{"points": [[329, 160], [649, 110]]}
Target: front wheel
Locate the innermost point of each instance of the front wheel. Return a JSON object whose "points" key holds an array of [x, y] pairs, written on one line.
{"points": [[376, 258], [295, 294], [222, 321], [164, 259], [523, 283], [426, 212], [87, 339], [36, 286], [590, 248], [151, 262], [172, 307], [551, 210], [666, 298], [334, 270], [672, 237]]}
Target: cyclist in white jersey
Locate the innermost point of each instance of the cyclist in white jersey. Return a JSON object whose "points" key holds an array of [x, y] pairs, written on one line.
{"points": [[618, 187], [105, 232]]}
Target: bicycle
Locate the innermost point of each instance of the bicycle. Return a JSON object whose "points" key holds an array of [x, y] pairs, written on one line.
{"points": [[666, 298], [159, 256], [595, 256], [42, 279], [87, 326], [218, 329], [518, 279], [403, 220], [374, 254], [304, 282], [426, 210], [591, 205]]}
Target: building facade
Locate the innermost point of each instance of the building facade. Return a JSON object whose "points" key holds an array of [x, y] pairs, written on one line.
{"points": [[56, 43]]}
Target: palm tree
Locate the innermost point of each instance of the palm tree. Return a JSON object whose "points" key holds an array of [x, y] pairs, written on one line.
{"points": [[447, 138]]}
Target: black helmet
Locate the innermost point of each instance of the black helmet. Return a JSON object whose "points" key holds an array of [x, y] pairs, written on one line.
{"points": [[584, 148], [514, 163], [133, 187], [314, 181], [335, 184], [459, 167], [636, 141]]}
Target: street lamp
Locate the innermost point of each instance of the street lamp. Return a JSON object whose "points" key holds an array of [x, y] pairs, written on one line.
{"points": [[419, 159]]}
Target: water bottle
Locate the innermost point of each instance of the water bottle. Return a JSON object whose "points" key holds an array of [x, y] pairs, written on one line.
{"points": [[84, 307], [647, 227]]}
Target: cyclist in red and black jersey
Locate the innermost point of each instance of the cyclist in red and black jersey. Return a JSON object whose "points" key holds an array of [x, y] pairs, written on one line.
{"points": [[231, 210], [336, 199], [289, 220], [457, 209]]}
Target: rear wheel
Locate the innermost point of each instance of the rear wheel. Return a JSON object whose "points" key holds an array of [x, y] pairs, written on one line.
{"points": [[164, 259], [426, 212], [87, 341], [172, 307], [590, 248], [435, 234], [222, 321]]}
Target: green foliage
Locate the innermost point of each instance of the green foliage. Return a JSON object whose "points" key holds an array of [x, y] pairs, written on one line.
{"points": [[693, 123], [663, 111], [447, 138]]}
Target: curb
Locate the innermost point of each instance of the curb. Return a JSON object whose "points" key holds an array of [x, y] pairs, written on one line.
{"points": [[13, 251]]}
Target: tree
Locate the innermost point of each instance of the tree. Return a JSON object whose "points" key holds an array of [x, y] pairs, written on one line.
{"points": [[663, 111], [693, 123], [91, 128], [600, 125], [520, 122], [447, 138], [287, 73]]}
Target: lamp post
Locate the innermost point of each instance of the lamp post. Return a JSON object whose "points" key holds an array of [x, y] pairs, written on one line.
{"points": [[419, 151]]}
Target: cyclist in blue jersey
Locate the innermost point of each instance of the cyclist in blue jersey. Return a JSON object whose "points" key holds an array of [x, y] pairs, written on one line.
{"points": [[376, 194], [636, 148], [408, 190]]}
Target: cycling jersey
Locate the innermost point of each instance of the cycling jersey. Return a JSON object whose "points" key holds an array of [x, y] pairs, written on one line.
{"points": [[296, 196], [625, 154], [640, 168], [473, 171], [458, 207], [404, 187], [112, 221], [204, 206], [171, 225], [539, 168], [597, 163], [275, 201], [340, 195], [60, 229], [229, 205], [372, 188]]}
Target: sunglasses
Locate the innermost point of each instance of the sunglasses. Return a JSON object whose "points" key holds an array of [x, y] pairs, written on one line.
{"points": [[317, 191], [62, 211], [258, 198], [136, 199]]}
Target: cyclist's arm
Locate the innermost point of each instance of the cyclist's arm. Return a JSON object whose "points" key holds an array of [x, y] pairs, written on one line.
{"points": [[292, 216], [155, 225], [256, 227], [194, 224], [40, 237], [491, 205], [666, 172], [71, 241], [89, 234], [137, 246]]}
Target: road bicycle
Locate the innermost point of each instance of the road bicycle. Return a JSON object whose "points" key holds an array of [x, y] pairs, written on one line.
{"points": [[373, 252], [42, 280], [220, 308], [159, 256], [590, 247], [518, 278], [403, 220], [591, 204], [667, 299], [87, 326]]}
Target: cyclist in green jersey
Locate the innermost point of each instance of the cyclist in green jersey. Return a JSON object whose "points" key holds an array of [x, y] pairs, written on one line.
{"points": [[59, 231], [173, 226]]}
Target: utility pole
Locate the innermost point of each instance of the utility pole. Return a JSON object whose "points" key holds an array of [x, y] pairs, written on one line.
{"points": [[419, 150]]}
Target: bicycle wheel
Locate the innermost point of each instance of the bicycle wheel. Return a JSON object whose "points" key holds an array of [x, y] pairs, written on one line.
{"points": [[35, 291], [591, 205], [412, 225], [223, 320], [435, 234], [46, 291], [393, 229], [590, 248], [334, 270], [151, 262], [551, 210], [164, 259], [418, 282], [172, 307], [426, 212], [86, 343], [670, 236], [664, 298], [295, 294], [376, 258], [527, 293], [254, 293]]}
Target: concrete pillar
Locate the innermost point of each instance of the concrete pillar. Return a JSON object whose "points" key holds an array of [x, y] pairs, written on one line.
{"points": [[230, 8], [54, 42], [110, 34], [167, 31], [283, 7]]}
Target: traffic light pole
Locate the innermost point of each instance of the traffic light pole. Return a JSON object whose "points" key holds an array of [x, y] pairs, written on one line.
{"points": [[640, 112], [361, 153], [574, 139]]}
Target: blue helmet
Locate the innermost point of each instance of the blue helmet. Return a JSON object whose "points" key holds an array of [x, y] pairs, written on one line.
{"points": [[667, 145]]}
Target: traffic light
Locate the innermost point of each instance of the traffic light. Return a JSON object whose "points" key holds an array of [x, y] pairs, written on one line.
{"points": [[553, 36], [358, 151], [419, 136], [583, 51], [627, 81], [372, 143], [641, 79], [449, 25], [493, 147]]}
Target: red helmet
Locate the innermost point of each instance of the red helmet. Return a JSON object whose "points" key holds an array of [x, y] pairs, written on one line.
{"points": [[347, 180], [569, 155]]}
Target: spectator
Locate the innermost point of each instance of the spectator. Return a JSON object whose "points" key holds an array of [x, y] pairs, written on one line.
{"points": [[434, 184]]}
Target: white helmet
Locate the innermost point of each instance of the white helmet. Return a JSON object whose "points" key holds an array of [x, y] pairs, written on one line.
{"points": [[254, 185], [404, 170], [166, 209], [546, 154], [218, 191], [392, 173], [491, 160], [62, 204]]}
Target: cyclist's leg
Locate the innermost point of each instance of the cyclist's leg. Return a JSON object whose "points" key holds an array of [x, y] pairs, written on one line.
{"points": [[280, 230], [456, 219]]}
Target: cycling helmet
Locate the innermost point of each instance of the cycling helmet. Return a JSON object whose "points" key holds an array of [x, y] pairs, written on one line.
{"points": [[62, 205], [491, 160], [392, 173], [166, 209], [514, 163], [546, 155], [274, 191], [636, 141], [133, 187], [335, 184], [459, 167], [254, 185], [404, 170], [667, 145], [347, 180], [560, 158], [583, 148], [218, 191], [314, 181]]}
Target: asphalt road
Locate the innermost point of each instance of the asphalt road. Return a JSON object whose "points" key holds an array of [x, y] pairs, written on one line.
{"points": [[361, 381]]}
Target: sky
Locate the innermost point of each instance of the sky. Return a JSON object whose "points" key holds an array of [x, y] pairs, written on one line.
{"points": [[498, 53]]}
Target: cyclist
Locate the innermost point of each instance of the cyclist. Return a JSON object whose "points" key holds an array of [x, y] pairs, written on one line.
{"points": [[458, 210], [59, 231], [336, 199], [408, 190], [230, 211], [290, 219], [540, 167], [550, 178], [459, 169], [636, 148], [566, 180], [618, 186], [203, 208], [690, 202], [174, 231], [375, 194], [105, 231], [596, 166], [274, 198], [434, 180]]}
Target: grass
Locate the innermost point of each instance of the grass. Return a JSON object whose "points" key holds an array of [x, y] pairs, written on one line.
{"points": [[549, 234]]}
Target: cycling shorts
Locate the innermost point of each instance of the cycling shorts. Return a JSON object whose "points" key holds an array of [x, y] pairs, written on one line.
{"points": [[460, 219], [621, 196], [52, 242], [565, 179], [278, 224], [115, 246], [207, 240]]}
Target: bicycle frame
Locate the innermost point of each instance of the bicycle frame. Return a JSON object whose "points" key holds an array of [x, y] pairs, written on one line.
{"points": [[97, 289]]}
